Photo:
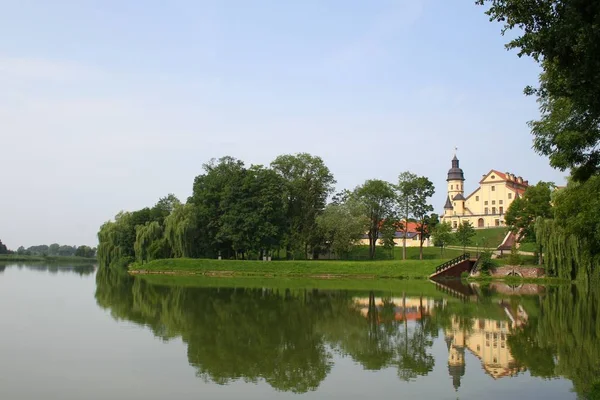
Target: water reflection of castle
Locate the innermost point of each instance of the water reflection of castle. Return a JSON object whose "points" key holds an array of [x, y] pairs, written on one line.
{"points": [[484, 338], [409, 308], [487, 340]]}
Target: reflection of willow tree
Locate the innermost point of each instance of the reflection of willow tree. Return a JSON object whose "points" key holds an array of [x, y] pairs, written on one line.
{"points": [[565, 338], [281, 337]]}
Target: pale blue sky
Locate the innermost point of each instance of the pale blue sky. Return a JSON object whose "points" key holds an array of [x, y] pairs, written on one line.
{"points": [[109, 105]]}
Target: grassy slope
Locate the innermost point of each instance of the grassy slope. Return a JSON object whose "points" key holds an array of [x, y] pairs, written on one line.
{"points": [[371, 269], [65, 259], [491, 237]]}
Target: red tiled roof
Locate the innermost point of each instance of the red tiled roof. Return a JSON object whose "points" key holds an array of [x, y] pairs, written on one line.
{"points": [[516, 190]]}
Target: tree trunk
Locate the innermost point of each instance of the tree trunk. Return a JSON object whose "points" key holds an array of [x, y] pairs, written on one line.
{"points": [[421, 248]]}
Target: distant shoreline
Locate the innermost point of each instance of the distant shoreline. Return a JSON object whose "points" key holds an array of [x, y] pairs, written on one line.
{"points": [[47, 259]]}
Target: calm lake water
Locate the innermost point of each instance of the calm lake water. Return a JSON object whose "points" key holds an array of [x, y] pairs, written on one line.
{"points": [[75, 333]]}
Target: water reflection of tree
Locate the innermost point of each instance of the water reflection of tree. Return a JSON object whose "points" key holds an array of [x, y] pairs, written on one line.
{"points": [[288, 338], [563, 338], [285, 338]]}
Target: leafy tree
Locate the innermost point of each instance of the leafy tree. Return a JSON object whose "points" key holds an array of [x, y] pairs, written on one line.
{"points": [[378, 200], [85, 251], [564, 37], [53, 249], [425, 227], [464, 234], [442, 235], [406, 182], [571, 241], [308, 183], [342, 225], [415, 192], [182, 231], [3, 248], [21, 250], [523, 211], [145, 237], [515, 257], [388, 230]]}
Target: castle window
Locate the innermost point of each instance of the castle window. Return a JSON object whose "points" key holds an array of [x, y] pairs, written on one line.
{"points": [[451, 187], [501, 210], [485, 203], [493, 188], [454, 224], [493, 210], [476, 198], [495, 359], [493, 202], [510, 195], [486, 210], [497, 222], [499, 201], [454, 204], [493, 177]]}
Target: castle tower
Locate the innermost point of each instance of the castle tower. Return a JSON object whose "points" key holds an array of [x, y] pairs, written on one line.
{"points": [[456, 190]]}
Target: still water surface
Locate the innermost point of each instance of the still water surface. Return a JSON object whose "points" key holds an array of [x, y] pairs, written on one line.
{"points": [[74, 333]]}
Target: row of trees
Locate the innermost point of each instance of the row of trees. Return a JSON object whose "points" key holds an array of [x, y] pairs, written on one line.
{"points": [[242, 212], [56, 249]]}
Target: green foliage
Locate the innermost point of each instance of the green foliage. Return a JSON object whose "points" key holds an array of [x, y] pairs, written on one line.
{"points": [[414, 194], [571, 241], [523, 211], [377, 200], [85, 251], [307, 184], [342, 225], [3, 248], [515, 257], [442, 235], [464, 234], [146, 237], [486, 264], [564, 37]]}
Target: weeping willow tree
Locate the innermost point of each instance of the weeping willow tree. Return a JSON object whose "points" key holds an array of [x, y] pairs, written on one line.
{"points": [[571, 241], [181, 231], [147, 241], [113, 239], [562, 251]]}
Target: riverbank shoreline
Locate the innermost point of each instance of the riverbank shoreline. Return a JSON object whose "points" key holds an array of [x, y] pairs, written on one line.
{"points": [[311, 269], [47, 259]]}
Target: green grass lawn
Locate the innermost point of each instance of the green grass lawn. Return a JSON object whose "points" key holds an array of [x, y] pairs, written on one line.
{"points": [[412, 253], [409, 269], [528, 246], [48, 259]]}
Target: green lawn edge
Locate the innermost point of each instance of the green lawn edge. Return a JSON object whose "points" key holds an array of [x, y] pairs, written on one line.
{"points": [[399, 269]]}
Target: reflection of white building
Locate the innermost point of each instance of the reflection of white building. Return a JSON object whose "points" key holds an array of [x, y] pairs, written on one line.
{"points": [[487, 340], [411, 308]]}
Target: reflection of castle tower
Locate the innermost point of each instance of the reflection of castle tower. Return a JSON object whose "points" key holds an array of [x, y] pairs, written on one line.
{"points": [[487, 340], [456, 364]]}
